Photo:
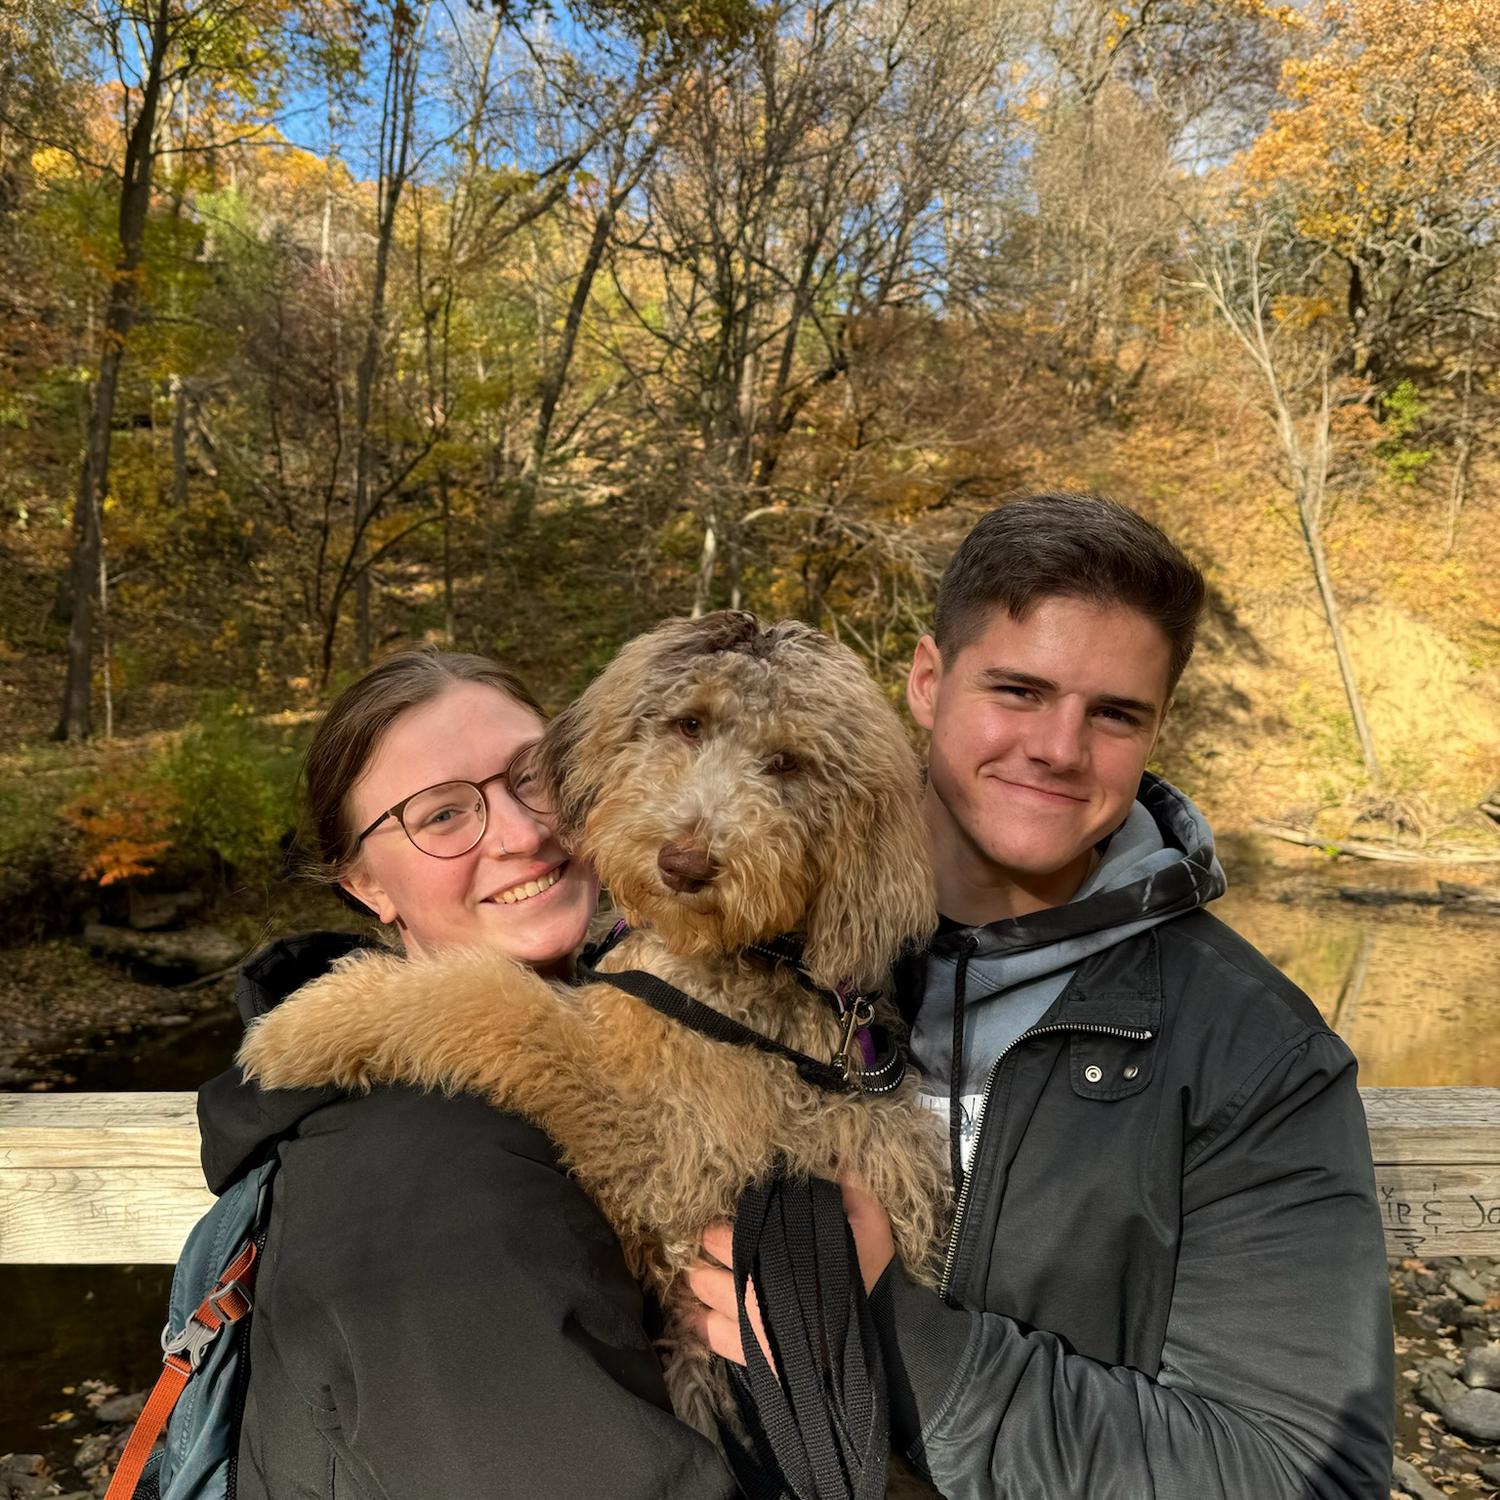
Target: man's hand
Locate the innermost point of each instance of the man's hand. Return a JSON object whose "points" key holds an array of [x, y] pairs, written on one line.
{"points": [[873, 1243], [717, 1321]]}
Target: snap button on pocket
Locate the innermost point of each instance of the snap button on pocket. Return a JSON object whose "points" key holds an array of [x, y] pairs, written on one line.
{"points": [[1131, 1071], [1093, 1073]]}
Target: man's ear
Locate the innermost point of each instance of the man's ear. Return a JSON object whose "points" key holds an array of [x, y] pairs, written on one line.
{"points": [[369, 892], [923, 681]]}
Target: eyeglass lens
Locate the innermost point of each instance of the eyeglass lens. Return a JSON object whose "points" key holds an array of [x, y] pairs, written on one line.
{"points": [[448, 820], [445, 820]]}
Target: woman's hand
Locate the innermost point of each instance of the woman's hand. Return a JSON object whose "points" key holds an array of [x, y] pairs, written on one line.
{"points": [[717, 1321]]}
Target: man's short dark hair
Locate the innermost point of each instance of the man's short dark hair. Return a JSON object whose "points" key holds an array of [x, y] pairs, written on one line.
{"points": [[1075, 546]]}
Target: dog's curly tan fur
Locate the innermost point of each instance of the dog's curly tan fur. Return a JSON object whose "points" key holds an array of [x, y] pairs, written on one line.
{"points": [[770, 750]]}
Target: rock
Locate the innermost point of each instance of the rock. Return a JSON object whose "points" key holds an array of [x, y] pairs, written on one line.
{"points": [[16, 1078], [23, 1475], [92, 1450], [121, 1408], [1490, 1472], [1435, 1390], [153, 911], [1463, 1284], [166, 955], [1474, 1415], [1481, 1368], [26, 1487], [1409, 1481]]}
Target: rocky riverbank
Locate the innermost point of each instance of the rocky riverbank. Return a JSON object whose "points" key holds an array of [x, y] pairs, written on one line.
{"points": [[1447, 1399], [146, 965], [62, 1007], [1448, 1377]]}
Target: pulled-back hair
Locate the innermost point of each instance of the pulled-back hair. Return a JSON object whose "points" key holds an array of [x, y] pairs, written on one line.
{"points": [[1075, 546], [352, 729]]}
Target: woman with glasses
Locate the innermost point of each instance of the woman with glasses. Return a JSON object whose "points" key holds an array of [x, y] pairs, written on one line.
{"points": [[440, 1312]]}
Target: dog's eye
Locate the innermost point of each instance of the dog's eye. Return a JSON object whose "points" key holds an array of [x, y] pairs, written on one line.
{"points": [[689, 729], [783, 763]]}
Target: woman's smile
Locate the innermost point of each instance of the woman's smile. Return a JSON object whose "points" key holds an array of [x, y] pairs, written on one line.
{"points": [[528, 889]]}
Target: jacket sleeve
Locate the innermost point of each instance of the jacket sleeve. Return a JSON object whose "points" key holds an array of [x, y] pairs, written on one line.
{"points": [[1276, 1376], [468, 1325]]}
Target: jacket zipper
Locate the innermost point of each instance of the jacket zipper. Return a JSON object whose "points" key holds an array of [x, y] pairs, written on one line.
{"points": [[242, 1385], [984, 1104]]}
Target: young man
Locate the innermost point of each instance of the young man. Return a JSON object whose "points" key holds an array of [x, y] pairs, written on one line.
{"points": [[1166, 1275]]}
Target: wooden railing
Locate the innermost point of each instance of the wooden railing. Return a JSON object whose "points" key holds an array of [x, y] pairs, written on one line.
{"points": [[115, 1177]]}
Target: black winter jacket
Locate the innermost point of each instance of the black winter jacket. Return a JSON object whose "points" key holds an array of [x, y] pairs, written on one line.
{"points": [[1167, 1278], [441, 1314]]}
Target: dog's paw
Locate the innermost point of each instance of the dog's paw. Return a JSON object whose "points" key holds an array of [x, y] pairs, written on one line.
{"points": [[332, 1031]]}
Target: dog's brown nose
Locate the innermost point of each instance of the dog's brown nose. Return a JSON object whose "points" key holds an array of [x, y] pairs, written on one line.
{"points": [[685, 868]]}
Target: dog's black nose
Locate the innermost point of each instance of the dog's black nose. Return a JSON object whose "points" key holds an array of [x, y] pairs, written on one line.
{"points": [[685, 868]]}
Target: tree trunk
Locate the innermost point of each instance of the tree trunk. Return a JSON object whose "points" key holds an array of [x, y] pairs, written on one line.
{"points": [[703, 586], [1463, 453], [395, 155], [76, 718], [1312, 536], [179, 442], [1311, 480]]}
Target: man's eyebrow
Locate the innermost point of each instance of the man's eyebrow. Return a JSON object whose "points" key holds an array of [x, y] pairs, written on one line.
{"points": [[1024, 679], [1135, 705], [997, 675]]}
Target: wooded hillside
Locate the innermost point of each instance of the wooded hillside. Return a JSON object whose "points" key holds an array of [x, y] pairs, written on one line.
{"points": [[331, 325]]}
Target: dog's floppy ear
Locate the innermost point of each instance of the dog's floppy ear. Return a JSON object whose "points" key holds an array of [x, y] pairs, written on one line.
{"points": [[578, 749], [876, 896]]}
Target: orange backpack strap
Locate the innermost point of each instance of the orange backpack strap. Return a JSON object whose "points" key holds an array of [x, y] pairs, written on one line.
{"points": [[182, 1353]]}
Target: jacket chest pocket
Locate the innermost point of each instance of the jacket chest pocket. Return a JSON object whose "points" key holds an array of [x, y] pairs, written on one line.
{"points": [[1112, 1052]]}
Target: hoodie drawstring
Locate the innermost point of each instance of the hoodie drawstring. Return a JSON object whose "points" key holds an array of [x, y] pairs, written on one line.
{"points": [[956, 1077]]}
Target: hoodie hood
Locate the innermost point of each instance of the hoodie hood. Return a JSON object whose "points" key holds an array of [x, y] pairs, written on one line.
{"points": [[1158, 864], [238, 1121]]}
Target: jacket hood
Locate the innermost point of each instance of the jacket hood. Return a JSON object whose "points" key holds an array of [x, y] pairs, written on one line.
{"points": [[240, 1122], [1140, 879], [1157, 865]]}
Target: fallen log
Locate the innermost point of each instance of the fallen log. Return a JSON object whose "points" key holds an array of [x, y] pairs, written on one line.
{"points": [[1358, 849], [1450, 897]]}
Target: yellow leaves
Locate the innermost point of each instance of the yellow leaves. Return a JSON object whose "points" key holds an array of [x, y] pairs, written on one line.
{"points": [[53, 164], [1302, 311]]}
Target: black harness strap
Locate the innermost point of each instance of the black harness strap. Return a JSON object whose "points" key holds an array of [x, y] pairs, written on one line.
{"points": [[669, 1001]]}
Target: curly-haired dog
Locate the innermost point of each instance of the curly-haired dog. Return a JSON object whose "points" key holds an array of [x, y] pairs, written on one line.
{"points": [[730, 784]]}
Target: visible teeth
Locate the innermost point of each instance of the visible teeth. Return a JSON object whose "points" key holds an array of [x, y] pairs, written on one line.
{"points": [[531, 888]]}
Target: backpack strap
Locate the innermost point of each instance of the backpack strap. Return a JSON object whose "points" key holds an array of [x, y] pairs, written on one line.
{"points": [[182, 1353]]}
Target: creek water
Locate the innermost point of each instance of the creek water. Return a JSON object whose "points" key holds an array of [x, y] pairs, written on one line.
{"points": [[1414, 990]]}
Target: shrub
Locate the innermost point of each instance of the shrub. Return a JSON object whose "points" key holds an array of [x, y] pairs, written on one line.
{"points": [[233, 783]]}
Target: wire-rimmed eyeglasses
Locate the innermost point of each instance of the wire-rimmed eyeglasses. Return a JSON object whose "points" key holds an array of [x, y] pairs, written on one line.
{"points": [[448, 819]]}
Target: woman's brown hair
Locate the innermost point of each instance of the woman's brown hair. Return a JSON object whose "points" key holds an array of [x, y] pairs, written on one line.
{"points": [[352, 728]]}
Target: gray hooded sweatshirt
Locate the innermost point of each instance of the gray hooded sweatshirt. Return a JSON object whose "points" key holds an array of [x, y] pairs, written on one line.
{"points": [[1158, 864]]}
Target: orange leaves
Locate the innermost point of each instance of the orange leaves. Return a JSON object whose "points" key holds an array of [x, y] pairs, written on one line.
{"points": [[1393, 120], [126, 828]]}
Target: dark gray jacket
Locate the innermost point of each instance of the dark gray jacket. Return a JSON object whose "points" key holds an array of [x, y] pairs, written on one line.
{"points": [[1167, 1278], [440, 1311]]}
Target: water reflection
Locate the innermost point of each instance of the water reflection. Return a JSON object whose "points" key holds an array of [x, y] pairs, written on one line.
{"points": [[1415, 991]]}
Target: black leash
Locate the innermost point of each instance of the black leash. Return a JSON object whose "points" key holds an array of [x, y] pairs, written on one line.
{"points": [[822, 1430]]}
